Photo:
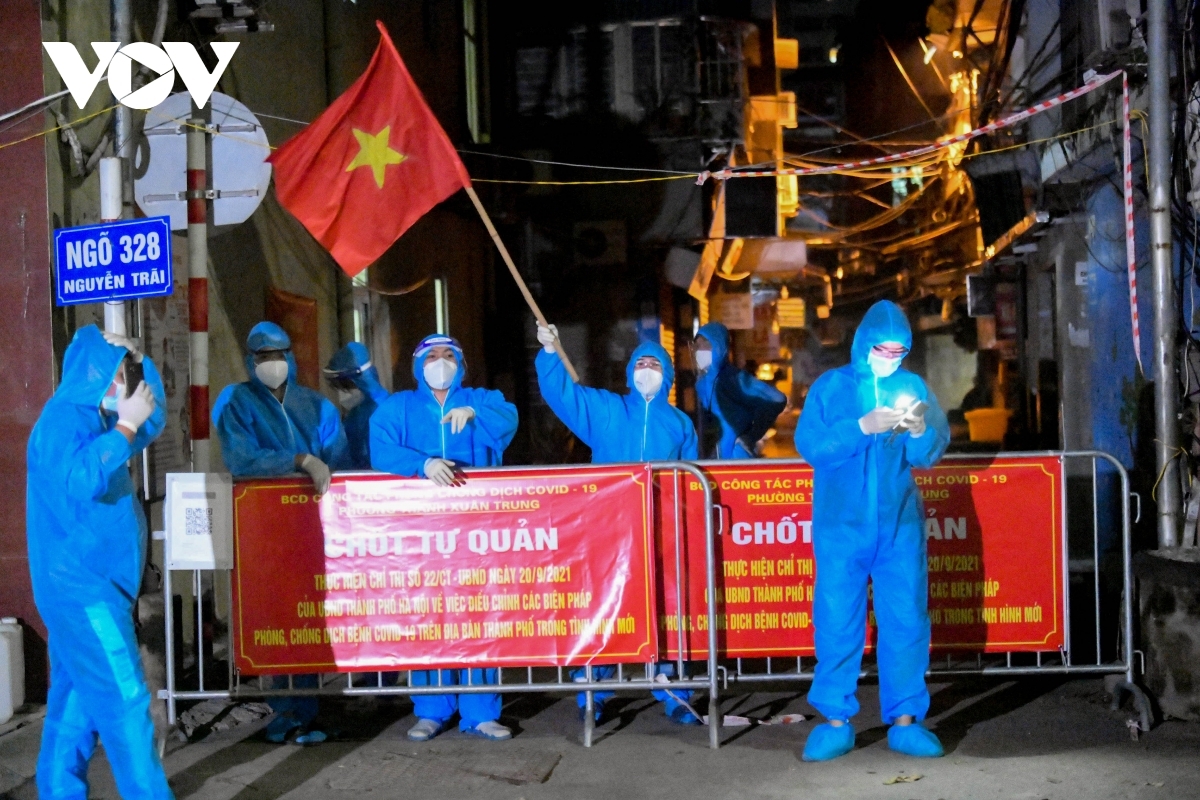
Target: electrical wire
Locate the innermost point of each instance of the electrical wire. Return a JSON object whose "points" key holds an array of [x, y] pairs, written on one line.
{"points": [[580, 166], [36, 104], [49, 131], [907, 79], [689, 176], [880, 219]]}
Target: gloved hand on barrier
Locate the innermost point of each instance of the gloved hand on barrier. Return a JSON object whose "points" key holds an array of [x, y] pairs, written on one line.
{"points": [[547, 336], [134, 410], [458, 418], [440, 471], [879, 420], [317, 470]]}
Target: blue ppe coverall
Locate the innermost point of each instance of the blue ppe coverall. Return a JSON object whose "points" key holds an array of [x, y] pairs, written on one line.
{"points": [[621, 428], [406, 431], [87, 548], [743, 406], [868, 522], [353, 363], [261, 437]]}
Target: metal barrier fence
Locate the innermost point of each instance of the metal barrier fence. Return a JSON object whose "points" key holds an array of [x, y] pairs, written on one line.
{"points": [[717, 675], [510, 679], [1021, 664]]}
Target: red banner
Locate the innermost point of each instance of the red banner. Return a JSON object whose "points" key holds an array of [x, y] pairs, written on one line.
{"points": [[524, 567], [993, 529]]}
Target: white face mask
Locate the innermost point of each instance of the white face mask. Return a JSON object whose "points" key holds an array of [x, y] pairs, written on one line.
{"points": [[883, 366], [439, 374], [349, 398], [273, 374], [703, 359], [647, 381]]}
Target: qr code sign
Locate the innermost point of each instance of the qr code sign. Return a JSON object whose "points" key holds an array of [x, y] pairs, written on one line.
{"points": [[199, 521]]}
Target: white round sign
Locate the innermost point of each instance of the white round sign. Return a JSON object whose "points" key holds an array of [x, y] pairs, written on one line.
{"points": [[240, 172]]}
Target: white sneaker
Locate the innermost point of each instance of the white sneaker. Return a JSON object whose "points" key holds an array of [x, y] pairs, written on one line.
{"points": [[424, 730], [492, 731]]}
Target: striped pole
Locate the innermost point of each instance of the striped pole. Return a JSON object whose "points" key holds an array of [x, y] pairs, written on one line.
{"points": [[197, 211], [1130, 249]]}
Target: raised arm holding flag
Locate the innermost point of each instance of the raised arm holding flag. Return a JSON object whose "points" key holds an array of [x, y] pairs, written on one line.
{"points": [[374, 163]]}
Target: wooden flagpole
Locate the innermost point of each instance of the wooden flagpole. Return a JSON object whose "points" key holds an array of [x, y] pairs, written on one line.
{"points": [[533, 306]]}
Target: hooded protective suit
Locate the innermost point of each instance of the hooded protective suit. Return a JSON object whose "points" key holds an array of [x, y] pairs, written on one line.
{"points": [[868, 521], [87, 548], [406, 431], [349, 363], [744, 406], [261, 436], [621, 428]]}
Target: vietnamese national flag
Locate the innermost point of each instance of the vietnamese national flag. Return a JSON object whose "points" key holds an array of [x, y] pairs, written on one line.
{"points": [[370, 166]]}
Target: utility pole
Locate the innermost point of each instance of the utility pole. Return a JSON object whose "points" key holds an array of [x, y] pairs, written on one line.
{"points": [[111, 202], [115, 174], [1166, 422]]}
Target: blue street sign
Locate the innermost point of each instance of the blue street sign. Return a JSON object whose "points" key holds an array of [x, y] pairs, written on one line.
{"points": [[120, 260]]}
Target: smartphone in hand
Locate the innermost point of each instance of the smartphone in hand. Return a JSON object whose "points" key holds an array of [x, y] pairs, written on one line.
{"points": [[134, 375], [917, 409]]}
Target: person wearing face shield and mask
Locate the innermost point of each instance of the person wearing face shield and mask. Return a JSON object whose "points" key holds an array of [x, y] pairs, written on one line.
{"points": [[270, 426], [639, 426], [745, 408], [351, 374], [87, 549], [432, 432], [864, 427]]}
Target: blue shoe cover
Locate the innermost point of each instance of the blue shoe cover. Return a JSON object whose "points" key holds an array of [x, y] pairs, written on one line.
{"points": [[310, 738], [278, 729], [681, 716], [491, 730], [827, 742], [915, 740]]}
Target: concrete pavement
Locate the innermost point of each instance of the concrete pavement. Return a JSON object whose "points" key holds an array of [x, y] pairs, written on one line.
{"points": [[1028, 739]]}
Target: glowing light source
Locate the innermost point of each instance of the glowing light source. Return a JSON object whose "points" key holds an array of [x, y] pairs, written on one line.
{"points": [[929, 50], [833, 54]]}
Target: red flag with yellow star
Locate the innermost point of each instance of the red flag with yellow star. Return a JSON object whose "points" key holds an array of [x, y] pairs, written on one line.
{"points": [[370, 166]]}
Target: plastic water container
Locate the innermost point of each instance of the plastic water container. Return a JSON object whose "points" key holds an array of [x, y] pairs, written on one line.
{"points": [[12, 668], [988, 424]]}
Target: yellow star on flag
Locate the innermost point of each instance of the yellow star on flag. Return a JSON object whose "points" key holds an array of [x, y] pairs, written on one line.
{"points": [[374, 152]]}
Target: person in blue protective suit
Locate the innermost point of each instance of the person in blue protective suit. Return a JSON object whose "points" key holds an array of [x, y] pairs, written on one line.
{"points": [[639, 426], [863, 432], [270, 425], [744, 407], [432, 432], [352, 375], [87, 548]]}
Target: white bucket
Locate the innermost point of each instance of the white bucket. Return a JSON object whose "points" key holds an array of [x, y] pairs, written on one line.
{"points": [[12, 668]]}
